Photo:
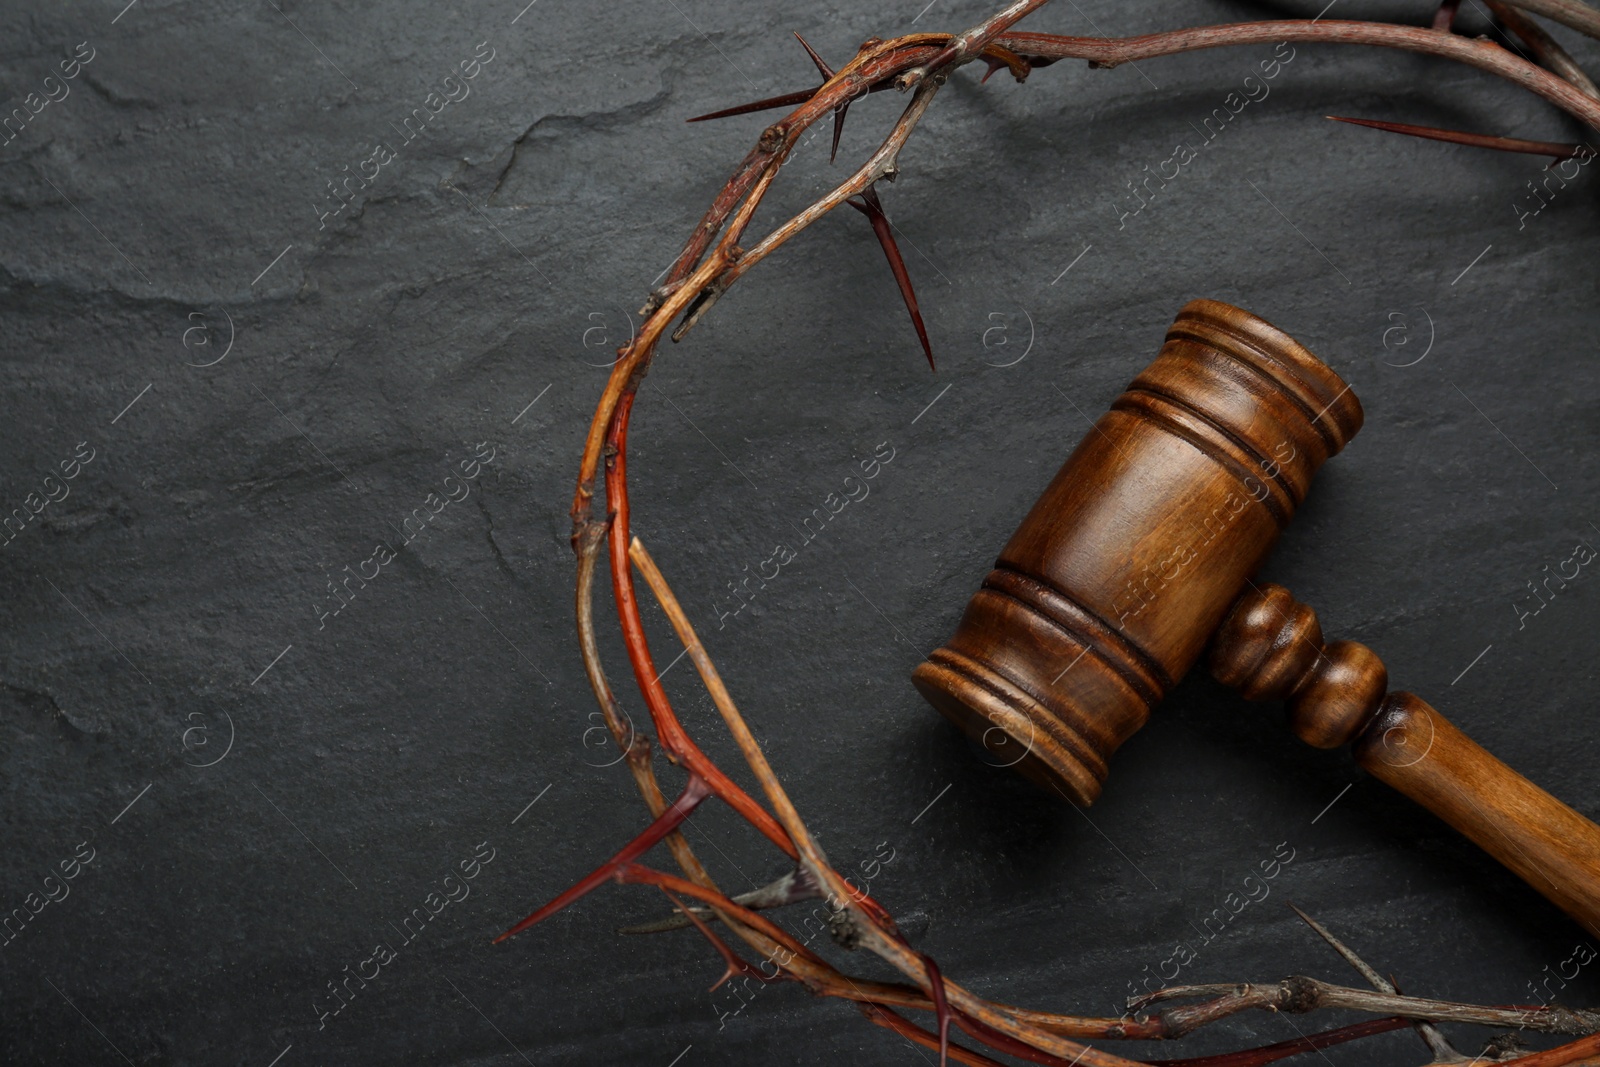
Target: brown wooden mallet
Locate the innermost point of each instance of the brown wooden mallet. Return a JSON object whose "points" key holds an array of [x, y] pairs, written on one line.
{"points": [[1144, 547]]}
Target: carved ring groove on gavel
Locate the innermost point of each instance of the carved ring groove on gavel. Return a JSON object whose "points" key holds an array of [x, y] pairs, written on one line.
{"points": [[1144, 546]]}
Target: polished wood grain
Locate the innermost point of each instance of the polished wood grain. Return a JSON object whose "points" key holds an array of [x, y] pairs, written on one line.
{"points": [[1144, 547], [1270, 648], [1554, 849], [1109, 590]]}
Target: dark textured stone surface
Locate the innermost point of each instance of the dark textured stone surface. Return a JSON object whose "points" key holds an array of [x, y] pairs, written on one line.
{"points": [[382, 747]]}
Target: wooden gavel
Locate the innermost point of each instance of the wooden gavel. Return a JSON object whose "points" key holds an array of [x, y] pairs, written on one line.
{"points": [[1144, 546]]}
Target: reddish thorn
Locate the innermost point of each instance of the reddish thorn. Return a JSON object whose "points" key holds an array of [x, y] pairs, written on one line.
{"points": [[693, 793], [768, 104], [1558, 149], [873, 210], [994, 65], [891, 1020], [736, 964], [827, 71]]}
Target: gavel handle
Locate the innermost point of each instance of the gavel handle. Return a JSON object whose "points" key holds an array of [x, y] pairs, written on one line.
{"points": [[1555, 850], [1270, 648]]}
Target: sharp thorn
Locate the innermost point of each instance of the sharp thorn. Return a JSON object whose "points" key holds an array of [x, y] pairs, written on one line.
{"points": [[669, 820], [1560, 150], [786, 100], [734, 964], [826, 71], [1361, 965], [872, 208]]}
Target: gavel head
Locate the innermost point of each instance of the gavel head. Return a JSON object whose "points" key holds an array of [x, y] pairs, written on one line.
{"points": [[1114, 582]]}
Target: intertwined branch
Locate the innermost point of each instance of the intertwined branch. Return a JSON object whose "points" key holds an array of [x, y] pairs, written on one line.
{"points": [[711, 261]]}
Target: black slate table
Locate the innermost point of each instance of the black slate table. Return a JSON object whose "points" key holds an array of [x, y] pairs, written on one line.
{"points": [[306, 308]]}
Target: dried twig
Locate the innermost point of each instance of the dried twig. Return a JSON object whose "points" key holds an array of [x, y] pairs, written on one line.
{"points": [[1545, 48], [1574, 13], [1299, 994], [1443, 1051], [789, 888], [1292, 1047], [1475, 52]]}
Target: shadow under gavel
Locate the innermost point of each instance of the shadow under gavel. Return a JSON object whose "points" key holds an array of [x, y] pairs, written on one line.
{"points": [[1143, 548]]}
